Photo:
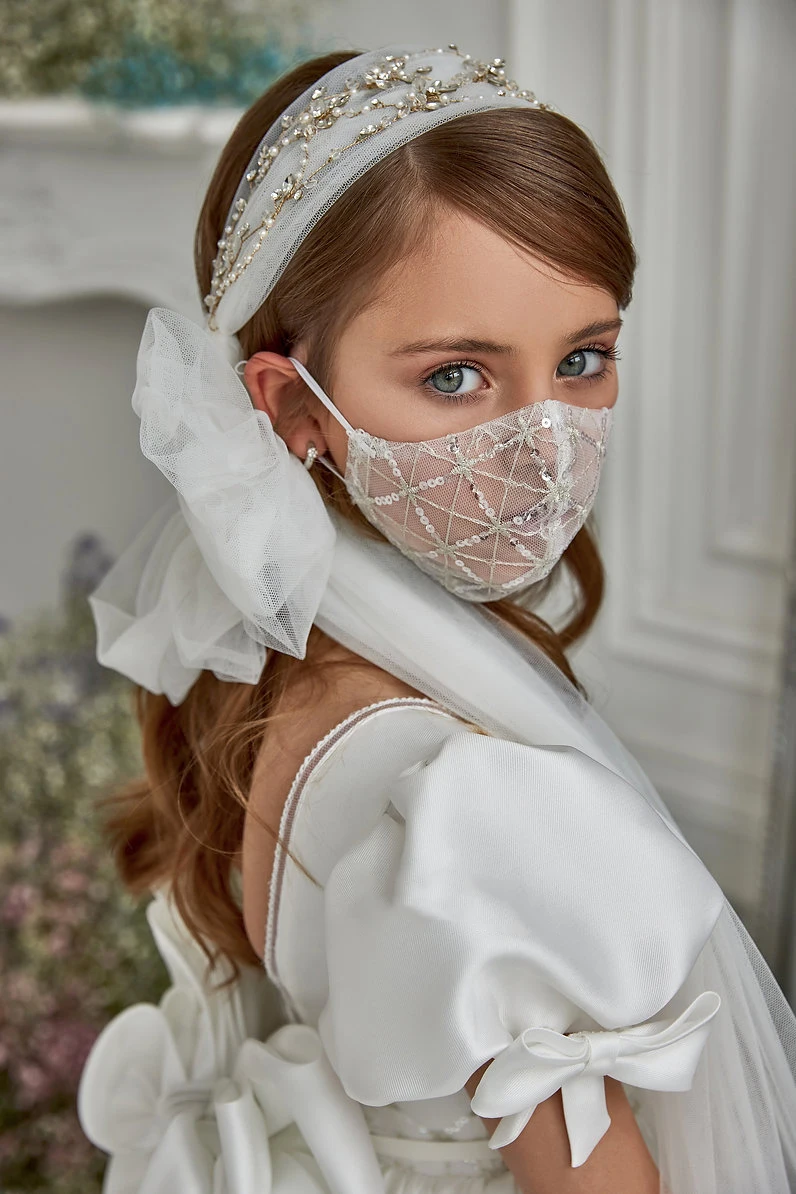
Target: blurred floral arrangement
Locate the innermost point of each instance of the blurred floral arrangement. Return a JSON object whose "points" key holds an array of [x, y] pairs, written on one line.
{"points": [[149, 52], [75, 949]]}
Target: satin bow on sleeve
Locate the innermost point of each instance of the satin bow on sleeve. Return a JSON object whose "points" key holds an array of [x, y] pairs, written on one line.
{"points": [[658, 1055], [187, 1101]]}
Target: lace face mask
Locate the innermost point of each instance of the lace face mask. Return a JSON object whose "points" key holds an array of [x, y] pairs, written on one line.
{"points": [[488, 511]]}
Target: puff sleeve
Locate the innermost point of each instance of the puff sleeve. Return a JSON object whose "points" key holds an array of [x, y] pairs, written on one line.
{"points": [[521, 903]]}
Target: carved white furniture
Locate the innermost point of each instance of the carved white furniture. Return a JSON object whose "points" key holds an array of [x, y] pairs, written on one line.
{"points": [[66, 161]]}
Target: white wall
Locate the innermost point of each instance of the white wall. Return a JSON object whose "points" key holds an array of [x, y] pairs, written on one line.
{"points": [[67, 450], [477, 27]]}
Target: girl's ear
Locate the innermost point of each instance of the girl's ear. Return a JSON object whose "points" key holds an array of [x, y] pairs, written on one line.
{"points": [[271, 380]]}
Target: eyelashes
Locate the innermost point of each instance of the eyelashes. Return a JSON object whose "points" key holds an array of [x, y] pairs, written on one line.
{"points": [[608, 354]]}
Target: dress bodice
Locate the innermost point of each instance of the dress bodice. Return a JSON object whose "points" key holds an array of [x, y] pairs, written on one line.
{"points": [[337, 796]]}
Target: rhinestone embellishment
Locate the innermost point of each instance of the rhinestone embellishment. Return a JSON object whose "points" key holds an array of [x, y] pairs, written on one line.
{"points": [[416, 91]]}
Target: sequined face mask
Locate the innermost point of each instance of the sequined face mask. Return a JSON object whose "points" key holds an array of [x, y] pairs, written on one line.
{"points": [[488, 511]]}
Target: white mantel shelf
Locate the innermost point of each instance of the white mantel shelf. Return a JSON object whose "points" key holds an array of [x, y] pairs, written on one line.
{"points": [[96, 199], [62, 120]]}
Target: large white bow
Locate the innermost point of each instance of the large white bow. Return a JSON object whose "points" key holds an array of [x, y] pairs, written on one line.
{"points": [[185, 1097], [239, 563], [658, 1055]]}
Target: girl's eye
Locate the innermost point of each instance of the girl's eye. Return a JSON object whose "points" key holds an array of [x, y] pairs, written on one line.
{"points": [[577, 364], [454, 378]]}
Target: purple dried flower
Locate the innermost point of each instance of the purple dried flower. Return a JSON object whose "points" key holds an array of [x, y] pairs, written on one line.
{"points": [[58, 714], [87, 564]]}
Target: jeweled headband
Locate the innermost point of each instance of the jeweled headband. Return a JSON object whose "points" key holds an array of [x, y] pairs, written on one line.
{"points": [[343, 124]]}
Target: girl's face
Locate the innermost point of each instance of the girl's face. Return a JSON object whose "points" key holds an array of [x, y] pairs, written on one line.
{"points": [[467, 329]]}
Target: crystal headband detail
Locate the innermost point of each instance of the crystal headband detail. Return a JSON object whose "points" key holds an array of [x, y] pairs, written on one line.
{"points": [[414, 91]]}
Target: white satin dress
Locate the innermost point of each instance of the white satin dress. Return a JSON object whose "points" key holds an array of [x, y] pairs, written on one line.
{"points": [[474, 898]]}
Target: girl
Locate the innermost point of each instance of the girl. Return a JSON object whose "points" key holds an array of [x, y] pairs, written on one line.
{"points": [[463, 944]]}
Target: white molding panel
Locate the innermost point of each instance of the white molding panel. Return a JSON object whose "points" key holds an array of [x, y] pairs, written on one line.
{"points": [[691, 103]]}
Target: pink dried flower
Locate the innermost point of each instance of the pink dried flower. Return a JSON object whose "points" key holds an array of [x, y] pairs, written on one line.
{"points": [[70, 1154], [67, 854], [59, 941], [29, 851], [62, 1046], [35, 1084], [72, 881], [21, 987], [62, 912], [20, 898], [106, 957], [9, 1146]]}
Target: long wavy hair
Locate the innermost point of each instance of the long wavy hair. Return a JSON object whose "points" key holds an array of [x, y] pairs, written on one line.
{"points": [[182, 822]]}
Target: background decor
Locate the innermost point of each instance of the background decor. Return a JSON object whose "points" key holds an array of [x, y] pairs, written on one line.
{"points": [[75, 949], [149, 52]]}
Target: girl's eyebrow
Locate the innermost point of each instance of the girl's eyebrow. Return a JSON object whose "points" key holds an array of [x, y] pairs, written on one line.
{"points": [[453, 344], [594, 329], [468, 344]]}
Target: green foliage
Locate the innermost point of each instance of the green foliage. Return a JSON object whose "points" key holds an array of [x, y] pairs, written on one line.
{"points": [[75, 949], [146, 51]]}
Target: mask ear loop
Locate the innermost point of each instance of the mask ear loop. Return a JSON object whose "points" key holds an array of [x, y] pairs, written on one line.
{"points": [[327, 402], [307, 377]]}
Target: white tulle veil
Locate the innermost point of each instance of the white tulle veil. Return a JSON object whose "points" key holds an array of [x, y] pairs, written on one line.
{"points": [[248, 557]]}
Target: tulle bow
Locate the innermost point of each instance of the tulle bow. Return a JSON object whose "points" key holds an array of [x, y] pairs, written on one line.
{"points": [[238, 565], [658, 1055], [186, 1098]]}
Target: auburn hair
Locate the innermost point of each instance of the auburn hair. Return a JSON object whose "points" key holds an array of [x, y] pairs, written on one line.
{"points": [[182, 822]]}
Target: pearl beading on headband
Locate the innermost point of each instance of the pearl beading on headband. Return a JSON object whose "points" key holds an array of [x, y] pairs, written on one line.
{"points": [[418, 93]]}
